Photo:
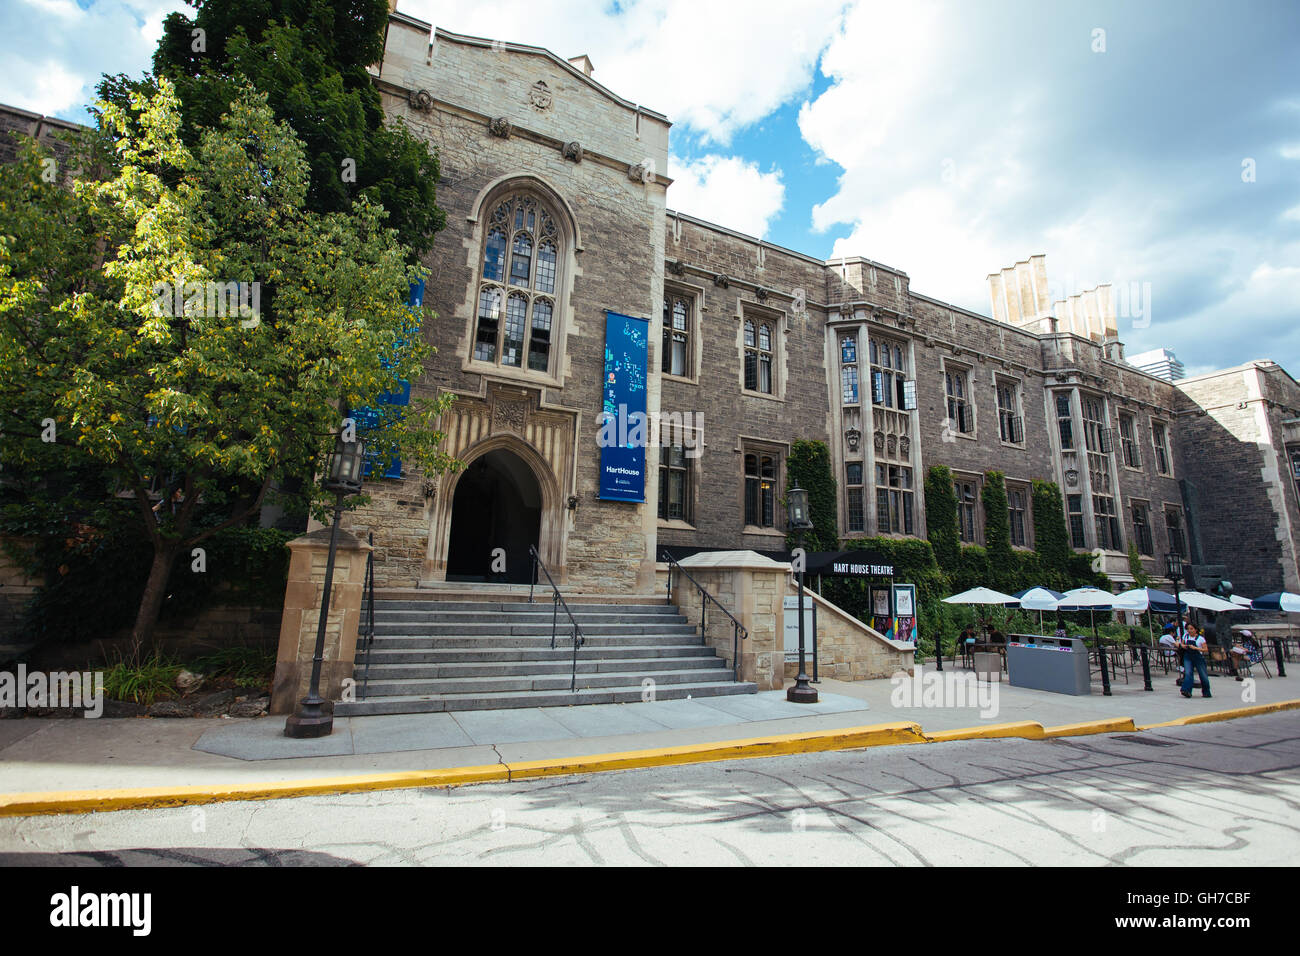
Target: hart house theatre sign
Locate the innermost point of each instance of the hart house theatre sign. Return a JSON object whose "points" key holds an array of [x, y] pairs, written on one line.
{"points": [[623, 423]]}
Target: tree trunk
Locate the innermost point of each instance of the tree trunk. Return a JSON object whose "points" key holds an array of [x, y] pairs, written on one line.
{"points": [[155, 590]]}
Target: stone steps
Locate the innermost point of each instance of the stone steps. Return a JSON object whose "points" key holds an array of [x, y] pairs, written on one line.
{"points": [[430, 656]]}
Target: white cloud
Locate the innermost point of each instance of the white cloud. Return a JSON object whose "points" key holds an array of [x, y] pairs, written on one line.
{"points": [[727, 190], [713, 65]]}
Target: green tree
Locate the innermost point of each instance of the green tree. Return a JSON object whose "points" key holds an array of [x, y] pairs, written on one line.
{"points": [[997, 532], [1140, 577], [809, 467], [941, 518], [311, 59], [99, 370]]}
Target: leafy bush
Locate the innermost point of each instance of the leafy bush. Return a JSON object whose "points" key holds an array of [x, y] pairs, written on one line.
{"points": [[248, 666], [141, 683]]}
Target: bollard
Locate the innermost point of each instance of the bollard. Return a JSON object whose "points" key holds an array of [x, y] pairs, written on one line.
{"points": [[938, 651], [1146, 667], [1105, 674], [1277, 652]]}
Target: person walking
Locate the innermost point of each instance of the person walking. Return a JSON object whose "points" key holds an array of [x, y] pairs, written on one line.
{"points": [[1194, 650]]}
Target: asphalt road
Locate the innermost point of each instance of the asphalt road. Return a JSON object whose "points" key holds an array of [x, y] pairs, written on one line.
{"points": [[1213, 794]]}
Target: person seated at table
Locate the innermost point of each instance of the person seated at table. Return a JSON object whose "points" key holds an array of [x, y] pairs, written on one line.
{"points": [[995, 636], [967, 636], [1240, 653], [1060, 630]]}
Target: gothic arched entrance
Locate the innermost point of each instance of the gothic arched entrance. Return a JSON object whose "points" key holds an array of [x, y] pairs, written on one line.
{"points": [[497, 504]]}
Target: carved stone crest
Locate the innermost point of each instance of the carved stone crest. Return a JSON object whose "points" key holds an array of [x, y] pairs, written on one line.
{"points": [[500, 127], [722, 280], [639, 173], [572, 151], [761, 294], [892, 443], [509, 415], [421, 100], [677, 267], [880, 441], [540, 96], [904, 445]]}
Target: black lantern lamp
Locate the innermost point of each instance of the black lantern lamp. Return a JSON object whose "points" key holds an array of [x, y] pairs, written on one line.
{"points": [[343, 477], [797, 512], [1174, 568]]}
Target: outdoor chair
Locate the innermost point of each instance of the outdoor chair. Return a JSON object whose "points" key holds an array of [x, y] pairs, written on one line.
{"points": [[1216, 662], [1254, 655]]}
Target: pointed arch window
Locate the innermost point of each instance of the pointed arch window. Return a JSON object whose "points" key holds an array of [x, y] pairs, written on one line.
{"points": [[516, 300]]}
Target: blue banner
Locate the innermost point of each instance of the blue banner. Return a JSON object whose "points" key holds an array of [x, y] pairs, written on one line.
{"points": [[622, 421]]}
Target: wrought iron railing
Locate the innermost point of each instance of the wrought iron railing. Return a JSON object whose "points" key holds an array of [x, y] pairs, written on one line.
{"points": [[557, 602], [738, 631], [366, 635]]}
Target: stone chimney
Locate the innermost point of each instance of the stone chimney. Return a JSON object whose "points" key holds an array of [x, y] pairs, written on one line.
{"points": [[583, 63]]}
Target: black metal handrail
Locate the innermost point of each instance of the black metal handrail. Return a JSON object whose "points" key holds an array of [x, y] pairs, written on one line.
{"points": [[557, 602], [738, 631], [367, 636]]}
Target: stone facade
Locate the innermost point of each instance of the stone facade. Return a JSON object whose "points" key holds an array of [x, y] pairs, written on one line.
{"points": [[506, 117]]}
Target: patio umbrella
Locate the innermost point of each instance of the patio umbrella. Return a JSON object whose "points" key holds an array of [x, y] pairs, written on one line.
{"points": [[1277, 601], [1039, 599], [1148, 599], [1244, 602], [1208, 602], [982, 596]]}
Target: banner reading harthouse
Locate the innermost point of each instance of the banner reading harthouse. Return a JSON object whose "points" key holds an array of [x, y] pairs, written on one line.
{"points": [[623, 413]]}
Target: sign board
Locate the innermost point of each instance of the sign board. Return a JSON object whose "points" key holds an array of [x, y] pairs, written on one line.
{"points": [[849, 564], [791, 608], [623, 423]]}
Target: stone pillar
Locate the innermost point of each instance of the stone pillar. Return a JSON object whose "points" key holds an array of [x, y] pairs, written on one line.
{"points": [[302, 603], [751, 587]]}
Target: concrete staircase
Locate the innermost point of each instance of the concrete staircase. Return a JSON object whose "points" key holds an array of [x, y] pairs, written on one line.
{"points": [[442, 653]]}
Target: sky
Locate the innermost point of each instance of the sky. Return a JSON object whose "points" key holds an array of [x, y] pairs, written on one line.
{"points": [[1153, 145]]}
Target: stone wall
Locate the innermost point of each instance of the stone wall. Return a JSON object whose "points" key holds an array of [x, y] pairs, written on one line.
{"points": [[847, 649]]}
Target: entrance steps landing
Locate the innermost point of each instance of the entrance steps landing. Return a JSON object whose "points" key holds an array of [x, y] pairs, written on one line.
{"points": [[449, 649]]}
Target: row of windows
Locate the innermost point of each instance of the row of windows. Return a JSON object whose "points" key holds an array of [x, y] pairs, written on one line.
{"points": [[1098, 438]]}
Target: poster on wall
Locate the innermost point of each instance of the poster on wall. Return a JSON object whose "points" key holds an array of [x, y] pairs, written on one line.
{"points": [[904, 612], [622, 421]]}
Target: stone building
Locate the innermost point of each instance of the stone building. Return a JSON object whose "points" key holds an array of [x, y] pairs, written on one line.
{"points": [[556, 199]]}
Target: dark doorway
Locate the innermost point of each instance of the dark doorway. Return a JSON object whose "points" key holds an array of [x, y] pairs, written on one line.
{"points": [[498, 504]]}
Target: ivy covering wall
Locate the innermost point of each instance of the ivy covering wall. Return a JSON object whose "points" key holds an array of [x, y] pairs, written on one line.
{"points": [[809, 467]]}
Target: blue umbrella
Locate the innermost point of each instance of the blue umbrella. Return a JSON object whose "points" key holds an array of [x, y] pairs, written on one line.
{"points": [[1277, 601]]}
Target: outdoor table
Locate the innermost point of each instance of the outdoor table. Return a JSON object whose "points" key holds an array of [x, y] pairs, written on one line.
{"points": [[989, 659], [1057, 664]]}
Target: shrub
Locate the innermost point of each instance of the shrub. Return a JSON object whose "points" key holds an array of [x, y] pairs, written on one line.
{"points": [[809, 467]]}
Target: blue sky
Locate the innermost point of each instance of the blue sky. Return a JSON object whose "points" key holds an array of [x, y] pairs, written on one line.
{"points": [[945, 139]]}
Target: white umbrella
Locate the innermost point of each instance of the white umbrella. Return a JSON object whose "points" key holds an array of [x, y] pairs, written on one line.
{"points": [[1039, 599], [1244, 602], [1207, 602], [982, 596], [1093, 600]]}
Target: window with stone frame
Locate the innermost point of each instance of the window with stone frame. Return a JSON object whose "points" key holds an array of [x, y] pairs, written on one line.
{"points": [[956, 381], [1160, 442], [1065, 420], [968, 496], [678, 330], [1011, 426], [890, 386], [895, 500], [853, 494], [1074, 508], [1174, 528], [760, 355], [518, 285], [1142, 528], [1018, 512], [674, 484], [1294, 452], [1107, 519], [849, 369], [762, 471], [1128, 441]]}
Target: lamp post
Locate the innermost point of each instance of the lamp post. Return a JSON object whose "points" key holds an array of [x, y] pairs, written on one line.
{"points": [[343, 477], [797, 512]]}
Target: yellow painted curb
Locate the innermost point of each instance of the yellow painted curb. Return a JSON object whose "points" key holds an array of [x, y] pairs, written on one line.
{"points": [[1027, 729], [853, 738], [87, 801], [1218, 715], [1110, 725]]}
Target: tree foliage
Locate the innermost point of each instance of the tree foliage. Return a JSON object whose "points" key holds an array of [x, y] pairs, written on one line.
{"points": [[97, 373], [310, 58]]}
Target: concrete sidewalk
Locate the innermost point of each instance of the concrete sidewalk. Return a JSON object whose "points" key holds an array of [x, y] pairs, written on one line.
{"points": [[77, 754]]}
